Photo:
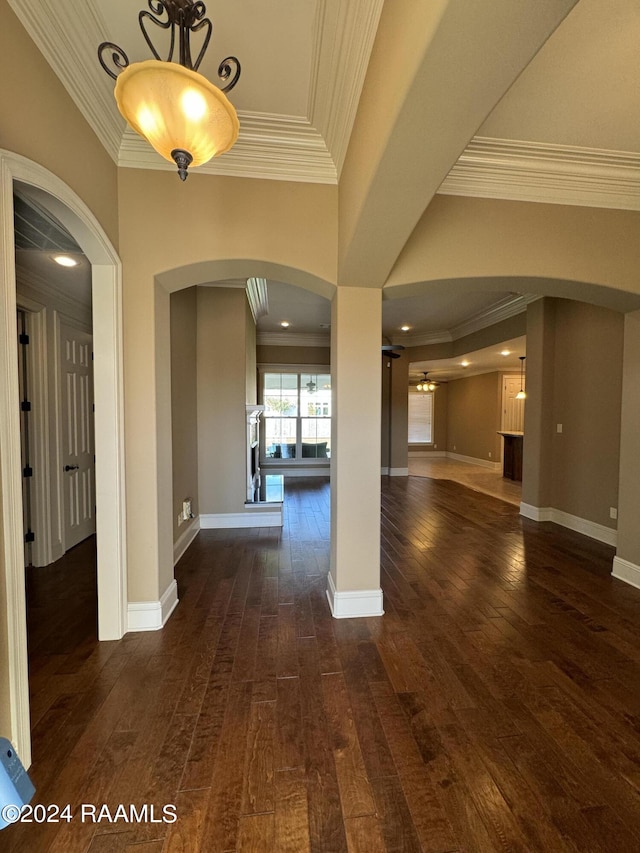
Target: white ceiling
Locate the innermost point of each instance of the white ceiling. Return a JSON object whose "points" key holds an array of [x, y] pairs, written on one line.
{"points": [[485, 360], [303, 67], [578, 89]]}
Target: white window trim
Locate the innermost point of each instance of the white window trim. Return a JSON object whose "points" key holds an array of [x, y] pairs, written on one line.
{"points": [[298, 462], [421, 394]]}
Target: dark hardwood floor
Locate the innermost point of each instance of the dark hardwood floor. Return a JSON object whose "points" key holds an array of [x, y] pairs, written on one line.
{"points": [[495, 707]]}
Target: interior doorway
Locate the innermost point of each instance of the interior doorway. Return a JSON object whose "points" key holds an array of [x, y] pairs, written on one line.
{"points": [[55, 373], [512, 419], [106, 288]]}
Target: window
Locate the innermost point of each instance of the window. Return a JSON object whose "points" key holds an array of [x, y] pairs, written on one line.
{"points": [[297, 415], [420, 418]]}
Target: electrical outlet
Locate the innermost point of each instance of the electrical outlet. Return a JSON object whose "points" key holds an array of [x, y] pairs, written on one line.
{"points": [[454, 447], [558, 427], [613, 512], [489, 454], [435, 446]]}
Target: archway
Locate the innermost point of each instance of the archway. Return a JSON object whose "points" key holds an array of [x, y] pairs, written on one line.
{"points": [[69, 209]]}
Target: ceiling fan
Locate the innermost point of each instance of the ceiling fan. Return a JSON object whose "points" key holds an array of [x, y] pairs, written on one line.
{"points": [[390, 350]]}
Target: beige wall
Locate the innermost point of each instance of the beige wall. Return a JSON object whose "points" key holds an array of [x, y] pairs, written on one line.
{"points": [[473, 415], [40, 122], [46, 126], [222, 372], [356, 317], [581, 253], [251, 380], [172, 236], [537, 470], [574, 378], [184, 401], [629, 493], [587, 400], [286, 231], [293, 355]]}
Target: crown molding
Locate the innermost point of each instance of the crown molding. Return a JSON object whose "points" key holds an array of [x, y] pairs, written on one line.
{"points": [[284, 339], [511, 306], [508, 307], [69, 43], [344, 37], [541, 172], [284, 148], [275, 147], [258, 297], [439, 337]]}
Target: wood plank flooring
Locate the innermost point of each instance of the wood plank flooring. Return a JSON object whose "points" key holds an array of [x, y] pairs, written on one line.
{"points": [[495, 707]]}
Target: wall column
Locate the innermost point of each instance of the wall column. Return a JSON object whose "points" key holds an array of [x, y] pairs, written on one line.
{"points": [[626, 563], [354, 579], [399, 456], [537, 480]]}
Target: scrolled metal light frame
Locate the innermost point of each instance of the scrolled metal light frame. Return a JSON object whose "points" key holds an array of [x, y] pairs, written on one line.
{"points": [[182, 17]]}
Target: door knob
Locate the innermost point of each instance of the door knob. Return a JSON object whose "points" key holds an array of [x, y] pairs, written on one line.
{"points": [[71, 467]]}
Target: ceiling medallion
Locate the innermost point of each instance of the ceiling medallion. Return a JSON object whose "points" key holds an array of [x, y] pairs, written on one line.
{"points": [[179, 112]]}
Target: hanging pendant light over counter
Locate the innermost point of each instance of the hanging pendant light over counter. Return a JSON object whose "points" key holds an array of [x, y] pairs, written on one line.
{"points": [[521, 393]]}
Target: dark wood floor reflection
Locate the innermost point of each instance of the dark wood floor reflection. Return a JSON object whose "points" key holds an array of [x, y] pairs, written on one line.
{"points": [[496, 705]]}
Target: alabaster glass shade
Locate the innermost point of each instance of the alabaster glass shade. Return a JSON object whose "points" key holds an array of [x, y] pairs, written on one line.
{"points": [[176, 108]]}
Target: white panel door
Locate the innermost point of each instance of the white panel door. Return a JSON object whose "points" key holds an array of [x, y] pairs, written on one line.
{"points": [[512, 409], [77, 456]]}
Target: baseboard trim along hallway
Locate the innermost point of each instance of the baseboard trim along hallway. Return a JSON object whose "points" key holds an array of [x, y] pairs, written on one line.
{"points": [[572, 522]]}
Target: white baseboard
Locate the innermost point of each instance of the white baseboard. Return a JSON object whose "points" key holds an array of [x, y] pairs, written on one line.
{"points": [[353, 603], [472, 460], [185, 539], [152, 615], [581, 525], [315, 471], [536, 513], [384, 471], [249, 518], [398, 472], [626, 571]]}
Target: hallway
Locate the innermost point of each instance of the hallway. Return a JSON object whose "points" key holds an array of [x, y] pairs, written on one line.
{"points": [[494, 707]]}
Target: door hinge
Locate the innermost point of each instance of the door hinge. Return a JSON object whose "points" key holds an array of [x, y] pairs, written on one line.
{"points": [[25, 406], [27, 472], [29, 536], [23, 339]]}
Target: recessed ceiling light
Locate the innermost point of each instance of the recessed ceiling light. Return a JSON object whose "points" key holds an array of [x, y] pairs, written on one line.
{"points": [[285, 324], [65, 261], [464, 363], [506, 352], [405, 328]]}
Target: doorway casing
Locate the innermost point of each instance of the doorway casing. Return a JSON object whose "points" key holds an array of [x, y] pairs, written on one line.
{"points": [[106, 284]]}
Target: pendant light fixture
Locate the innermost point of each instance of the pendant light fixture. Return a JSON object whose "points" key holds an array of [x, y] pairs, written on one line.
{"points": [[179, 112], [521, 393], [426, 384]]}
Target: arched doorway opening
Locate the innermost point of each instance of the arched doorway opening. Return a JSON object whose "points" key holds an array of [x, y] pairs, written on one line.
{"points": [[55, 196]]}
